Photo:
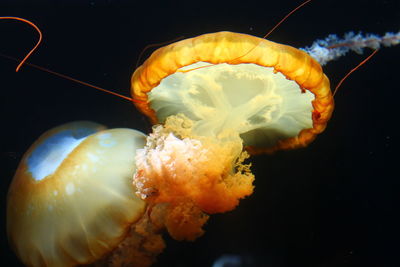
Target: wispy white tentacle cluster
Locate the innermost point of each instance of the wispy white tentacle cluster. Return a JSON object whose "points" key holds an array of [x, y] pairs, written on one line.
{"points": [[333, 47]]}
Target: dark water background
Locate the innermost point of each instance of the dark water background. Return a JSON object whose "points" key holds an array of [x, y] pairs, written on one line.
{"points": [[334, 203]]}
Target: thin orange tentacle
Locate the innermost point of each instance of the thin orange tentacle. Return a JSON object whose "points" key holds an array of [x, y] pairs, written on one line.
{"points": [[276, 26], [23, 61], [354, 69], [73, 79], [37, 44], [156, 45], [285, 18]]}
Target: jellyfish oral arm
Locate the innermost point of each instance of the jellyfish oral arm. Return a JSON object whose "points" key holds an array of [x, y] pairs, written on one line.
{"points": [[190, 176]]}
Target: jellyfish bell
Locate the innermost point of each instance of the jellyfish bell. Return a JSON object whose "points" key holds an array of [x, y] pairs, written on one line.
{"points": [[216, 94], [71, 200], [275, 96]]}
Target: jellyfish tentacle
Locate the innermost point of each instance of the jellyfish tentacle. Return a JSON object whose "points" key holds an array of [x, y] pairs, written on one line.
{"points": [[30, 23], [352, 70]]}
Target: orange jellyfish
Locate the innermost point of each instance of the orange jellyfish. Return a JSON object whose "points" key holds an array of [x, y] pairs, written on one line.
{"points": [[217, 94]]}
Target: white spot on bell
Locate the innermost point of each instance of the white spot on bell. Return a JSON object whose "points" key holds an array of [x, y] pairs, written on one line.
{"points": [[70, 188]]}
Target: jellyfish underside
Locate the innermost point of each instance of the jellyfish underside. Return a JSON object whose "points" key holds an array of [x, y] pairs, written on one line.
{"points": [[239, 99]]}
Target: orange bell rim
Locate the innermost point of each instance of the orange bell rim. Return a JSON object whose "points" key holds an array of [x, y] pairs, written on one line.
{"points": [[236, 48]]}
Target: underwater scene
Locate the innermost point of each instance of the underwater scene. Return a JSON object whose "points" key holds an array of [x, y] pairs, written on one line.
{"points": [[308, 179]]}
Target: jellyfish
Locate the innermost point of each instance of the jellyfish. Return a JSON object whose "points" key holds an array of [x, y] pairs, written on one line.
{"points": [[214, 99], [71, 201]]}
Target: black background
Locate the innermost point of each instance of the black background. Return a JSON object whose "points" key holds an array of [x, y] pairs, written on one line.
{"points": [[331, 204]]}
